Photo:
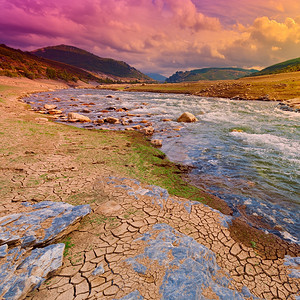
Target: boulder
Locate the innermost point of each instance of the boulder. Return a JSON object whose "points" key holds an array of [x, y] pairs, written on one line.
{"points": [[112, 120], [75, 117], [187, 117], [147, 130], [26, 256], [50, 106]]}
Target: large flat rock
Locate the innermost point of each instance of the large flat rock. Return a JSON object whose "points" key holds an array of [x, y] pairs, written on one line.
{"points": [[26, 258]]}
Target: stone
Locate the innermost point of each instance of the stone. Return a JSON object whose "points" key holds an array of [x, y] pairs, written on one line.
{"points": [[99, 121], [55, 112], [3, 250], [21, 268], [50, 106], [19, 279], [109, 208], [195, 269], [112, 120], [75, 117], [187, 117], [98, 271], [157, 143], [147, 130]]}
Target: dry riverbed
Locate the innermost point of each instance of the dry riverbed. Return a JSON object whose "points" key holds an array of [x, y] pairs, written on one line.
{"points": [[105, 257]]}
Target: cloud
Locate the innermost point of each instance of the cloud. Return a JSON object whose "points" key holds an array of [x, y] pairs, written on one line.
{"points": [[265, 42], [159, 35]]}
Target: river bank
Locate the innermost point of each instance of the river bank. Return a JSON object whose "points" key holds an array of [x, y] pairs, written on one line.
{"points": [[64, 163]]}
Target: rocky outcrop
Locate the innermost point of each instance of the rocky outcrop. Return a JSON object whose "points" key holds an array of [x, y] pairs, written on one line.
{"points": [[75, 117], [187, 117], [26, 256]]}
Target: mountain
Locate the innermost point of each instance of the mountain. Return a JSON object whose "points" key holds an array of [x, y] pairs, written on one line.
{"points": [[209, 74], [106, 67], [156, 76], [292, 65], [16, 63]]}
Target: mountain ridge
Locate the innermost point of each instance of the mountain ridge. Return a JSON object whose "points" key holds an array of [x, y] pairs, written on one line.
{"points": [[16, 63], [291, 65], [83, 59], [209, 74]]}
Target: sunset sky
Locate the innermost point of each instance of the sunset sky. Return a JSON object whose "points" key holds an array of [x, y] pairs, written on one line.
{"points": [[160, 35]]}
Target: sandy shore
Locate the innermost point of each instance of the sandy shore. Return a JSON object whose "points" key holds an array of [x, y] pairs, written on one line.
{"points": [[41, 160]]}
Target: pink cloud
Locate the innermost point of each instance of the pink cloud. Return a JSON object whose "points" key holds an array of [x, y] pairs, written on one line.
{"points": [[153, 35]]}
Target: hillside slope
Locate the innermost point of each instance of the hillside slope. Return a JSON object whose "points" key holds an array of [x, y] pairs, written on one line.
{"points": [[209, 74], [88, 61], [292, 65], [16, 63]]}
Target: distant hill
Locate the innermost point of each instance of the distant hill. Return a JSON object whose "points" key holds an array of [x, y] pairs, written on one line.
{"points": [[93, 63], [156, 76], [16, 63], [209, 74], [292, 65]]}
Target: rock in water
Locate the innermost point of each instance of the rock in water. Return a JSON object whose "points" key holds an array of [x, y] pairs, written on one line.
{"points": [[149, 130], [112, 120], [21, 268], [187, 117], [157, 143], [75, 117], [50, 106]]}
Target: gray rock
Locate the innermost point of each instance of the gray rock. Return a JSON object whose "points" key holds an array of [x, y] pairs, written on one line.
{"points": [[3, 250], [31, 272], [191, 268], [24, 227], [21, 268]]}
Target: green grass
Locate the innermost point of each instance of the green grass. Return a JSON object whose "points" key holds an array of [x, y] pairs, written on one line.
{"points": [[68, 245]]}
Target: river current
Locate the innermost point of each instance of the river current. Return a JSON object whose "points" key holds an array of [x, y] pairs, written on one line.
{"points": [[245, 152]]}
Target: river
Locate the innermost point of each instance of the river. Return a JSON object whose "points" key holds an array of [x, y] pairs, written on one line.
{"points": [[245, 152]]}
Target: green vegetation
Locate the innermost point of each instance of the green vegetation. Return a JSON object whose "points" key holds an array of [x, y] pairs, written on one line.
{"points": [[209, 74], [68, 246], [88, 61], [292, 65]]}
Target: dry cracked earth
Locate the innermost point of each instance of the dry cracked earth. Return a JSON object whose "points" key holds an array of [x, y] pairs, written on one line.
{"points": [[98, 262]]}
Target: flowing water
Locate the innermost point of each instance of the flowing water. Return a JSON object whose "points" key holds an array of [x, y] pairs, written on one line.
{"points": [[247, 153]]}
